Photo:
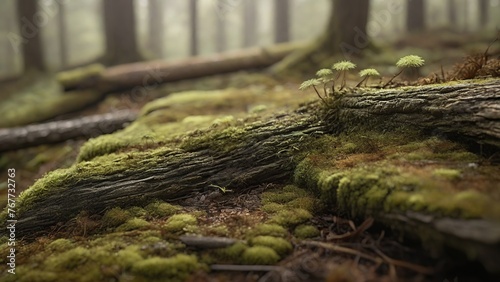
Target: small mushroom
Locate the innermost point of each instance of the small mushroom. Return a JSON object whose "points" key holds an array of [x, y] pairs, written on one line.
{"points": [[312, 83], [365, 74], [410, 61], [342, 67]]}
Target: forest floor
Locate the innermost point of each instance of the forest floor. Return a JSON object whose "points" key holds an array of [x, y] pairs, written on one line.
{"points": [[351, 249]]}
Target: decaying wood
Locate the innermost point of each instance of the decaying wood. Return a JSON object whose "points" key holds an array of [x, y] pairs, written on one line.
{"points": [[206, 242], [267, 152], [58, 131], [470, 111]]}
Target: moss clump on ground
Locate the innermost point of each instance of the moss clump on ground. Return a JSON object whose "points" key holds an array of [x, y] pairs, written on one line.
{"points": [[290, 217], [60, 245], [133, 224], [267, 229], [176, 268], [306, 231], [70, 259], [180, 222], [449, 174], [260, 255], [161, 209], [115, 217], [233, 252], [280, 245]]}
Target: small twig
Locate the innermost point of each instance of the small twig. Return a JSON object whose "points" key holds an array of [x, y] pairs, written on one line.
{"points": [[340, 249], [357, 231], [404, 264]]}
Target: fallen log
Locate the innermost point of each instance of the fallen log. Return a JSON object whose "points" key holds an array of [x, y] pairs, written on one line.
{"points": [[58, 131], [150, 73], [262, 151], [268, 151]]}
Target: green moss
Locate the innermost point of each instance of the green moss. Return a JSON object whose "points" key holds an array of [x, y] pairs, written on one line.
{"points": [[272, 207], [233, 252], [115, 217], [137, 211], [280, 245], [176, 268], [60, 245], [268, 229], [69, 260], [133, 224], [126, 258], [260, 255], [180, 222], [291, 217], [306, 231], [449, 174], [29, 275], [161, 209]]}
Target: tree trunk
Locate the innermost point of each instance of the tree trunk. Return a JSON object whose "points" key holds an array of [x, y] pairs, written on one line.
{"points": [[452, 14], [345, 34], [415, 15], [119, 28], [281, 21], [63, 46], [30, 38], [193, 27], [220, 30], [265, 151], [484, 6], [249, 23], [156, 27]]}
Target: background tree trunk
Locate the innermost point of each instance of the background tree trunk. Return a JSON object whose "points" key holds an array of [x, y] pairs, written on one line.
{"points": [[220, 30], [193, 27], [452, 14], [281, 21], [415, 15], [345, 34], [31, 41], [249, 23], [63, 36], [119, 28], [484, 6], [156, 27]]}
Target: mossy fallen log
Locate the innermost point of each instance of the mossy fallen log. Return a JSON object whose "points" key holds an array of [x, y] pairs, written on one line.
{"points": [[58, 131], [390, 176]]}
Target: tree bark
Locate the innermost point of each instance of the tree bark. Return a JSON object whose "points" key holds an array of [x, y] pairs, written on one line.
{"points": [[58, 131], [266, 151], [119, 28], [30, 38]]}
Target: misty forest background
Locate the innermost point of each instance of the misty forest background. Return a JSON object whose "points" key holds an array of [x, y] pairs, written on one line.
{"points": [[72, 32]]}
